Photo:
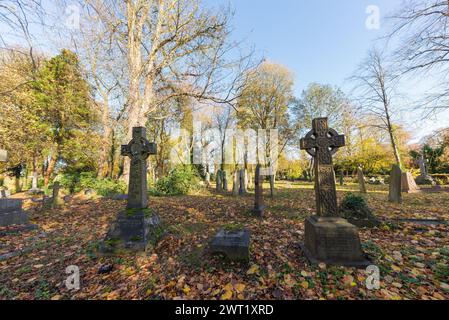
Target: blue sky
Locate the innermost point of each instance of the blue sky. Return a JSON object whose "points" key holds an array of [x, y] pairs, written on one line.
{"points": [[320, 41]]}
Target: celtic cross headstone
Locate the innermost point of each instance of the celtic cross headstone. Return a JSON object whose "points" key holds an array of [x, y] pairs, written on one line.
{"points": [[138, 149], [328, 238], [321, 143], [137, 226]]}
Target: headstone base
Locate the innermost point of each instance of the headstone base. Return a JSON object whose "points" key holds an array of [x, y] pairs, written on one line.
{"points": [[233, 244], [333, 241], [408, 183], [425, 180], [35, 192], [259, 212], [134, 230], [13, 218]]}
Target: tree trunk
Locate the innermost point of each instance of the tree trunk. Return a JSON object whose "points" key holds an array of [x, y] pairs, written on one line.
{"points": [[392, 138], [50, 170], [35, 175]]}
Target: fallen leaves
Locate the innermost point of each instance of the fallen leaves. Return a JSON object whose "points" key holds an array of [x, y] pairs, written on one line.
{"points": [[179, 268]]}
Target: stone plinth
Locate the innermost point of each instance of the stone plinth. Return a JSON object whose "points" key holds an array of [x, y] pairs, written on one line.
{"points": [[11, 213], [133, 230], [333, 241], [408, 183], [233, 244]]}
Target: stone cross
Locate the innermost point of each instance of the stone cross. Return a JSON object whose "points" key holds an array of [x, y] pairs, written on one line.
{"points": [[422, 165], [321, 143], [138, 149]]}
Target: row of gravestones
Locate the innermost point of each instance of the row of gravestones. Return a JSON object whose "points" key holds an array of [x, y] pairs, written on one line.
{"points": [[328, 237], [400, 182]]}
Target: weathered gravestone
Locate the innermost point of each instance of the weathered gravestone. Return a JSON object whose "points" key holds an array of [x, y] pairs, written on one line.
{"points": [[219, 181], [137, 226], [361, 179], [259, 206], [243, 182], [424, 177], [234, 244], [329, 238], [408, 183], [11, 213], [395, 186]]}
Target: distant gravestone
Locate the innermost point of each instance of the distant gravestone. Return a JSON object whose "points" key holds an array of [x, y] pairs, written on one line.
{"points": [[424, 177], [361, 179], [259, 207], [234, 244], [342, 179], [137, 226], [219, 181], [395, 187], [408, 183], [329, 238]]}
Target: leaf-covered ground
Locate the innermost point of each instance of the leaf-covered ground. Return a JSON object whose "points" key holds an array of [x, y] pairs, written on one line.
{"points": [[413, 259]]}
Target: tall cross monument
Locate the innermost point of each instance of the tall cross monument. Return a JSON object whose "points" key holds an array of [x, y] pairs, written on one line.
{"points": [[321, 143], [137, 227], [328, 237], [138, 149]]}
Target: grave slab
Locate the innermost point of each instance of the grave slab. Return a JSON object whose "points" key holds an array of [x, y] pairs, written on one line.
{"points": [[234, 244]]}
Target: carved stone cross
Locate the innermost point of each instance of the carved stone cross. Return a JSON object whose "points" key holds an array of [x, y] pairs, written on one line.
{"points": [[138, 149], [321, 143]]}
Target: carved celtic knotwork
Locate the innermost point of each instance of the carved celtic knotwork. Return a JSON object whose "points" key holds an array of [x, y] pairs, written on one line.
{"points": [[321, 143]]}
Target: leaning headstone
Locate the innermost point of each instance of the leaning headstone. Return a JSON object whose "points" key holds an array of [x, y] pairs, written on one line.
{"points": [[395, 187], [408, 183], [259, 207], [234, 244], [11, 213], [361, 179], [424, 177], [137, 226], [329, 238]]}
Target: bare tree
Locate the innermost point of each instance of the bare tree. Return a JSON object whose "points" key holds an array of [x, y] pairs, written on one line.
{"points": [[167, 43], [375, 85], [423, 29]]}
